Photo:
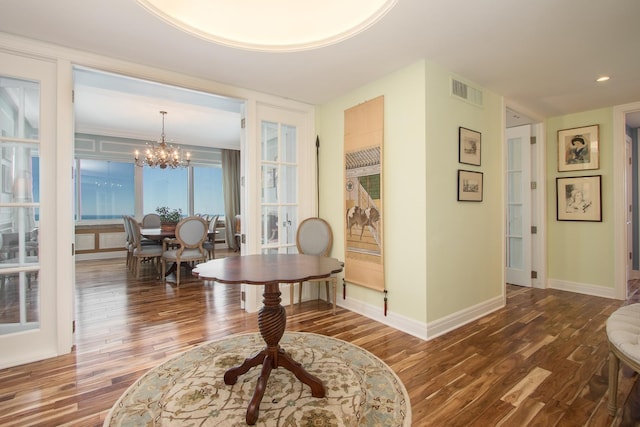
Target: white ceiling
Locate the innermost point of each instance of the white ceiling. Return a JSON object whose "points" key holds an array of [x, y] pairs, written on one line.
{"points": [[543, 55], [108, 104]]}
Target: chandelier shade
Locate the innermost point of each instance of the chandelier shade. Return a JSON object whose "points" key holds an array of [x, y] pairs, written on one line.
{"points": [[163, 155]]}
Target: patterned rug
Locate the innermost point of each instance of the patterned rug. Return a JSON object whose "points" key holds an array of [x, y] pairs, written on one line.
{"points": [[189, 389]]}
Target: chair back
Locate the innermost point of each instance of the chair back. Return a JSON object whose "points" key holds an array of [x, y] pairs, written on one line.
{"points": [[191, 232], [213, 223], [134, 229], [151, 220], [314, 237], [127, 229]]}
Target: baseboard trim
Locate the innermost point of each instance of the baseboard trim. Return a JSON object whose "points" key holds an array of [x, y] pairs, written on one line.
{"points": [[581, 288], [402, 323], [423, 330], [462, 317], [101, 255]]}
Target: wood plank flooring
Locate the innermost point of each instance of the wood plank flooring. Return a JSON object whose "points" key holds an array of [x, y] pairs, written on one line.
{"points": [[541, 361]]}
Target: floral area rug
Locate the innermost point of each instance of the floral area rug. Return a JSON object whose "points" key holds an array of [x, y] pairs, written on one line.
{"points": [[189, 389]]}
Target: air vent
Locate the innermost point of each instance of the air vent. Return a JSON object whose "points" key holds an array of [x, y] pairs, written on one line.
{"points": [[466, 93]]}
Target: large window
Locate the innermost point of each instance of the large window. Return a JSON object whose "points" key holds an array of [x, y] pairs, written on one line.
{"points": [[208, 197], [106, 189], [165, 187]]}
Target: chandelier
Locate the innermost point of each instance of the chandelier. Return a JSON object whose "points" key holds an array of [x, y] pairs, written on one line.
{"points": [[163, 155]]}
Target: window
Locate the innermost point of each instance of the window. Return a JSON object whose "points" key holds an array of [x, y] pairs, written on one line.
{"points": [[106, 189], [208, 195]]}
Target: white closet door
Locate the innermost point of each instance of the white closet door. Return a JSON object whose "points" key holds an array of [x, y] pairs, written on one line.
{"points": [[518, 209]]}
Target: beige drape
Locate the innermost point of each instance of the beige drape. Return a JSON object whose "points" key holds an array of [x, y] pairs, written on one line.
{"points": [[231, 188]]}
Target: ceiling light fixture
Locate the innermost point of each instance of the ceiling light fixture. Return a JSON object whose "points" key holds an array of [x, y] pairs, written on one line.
{"points": [[162, 155], [602, 79], [275, 25]]}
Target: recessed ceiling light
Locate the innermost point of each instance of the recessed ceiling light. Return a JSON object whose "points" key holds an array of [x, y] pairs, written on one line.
{"points": [[602, 79], [274, 25]]}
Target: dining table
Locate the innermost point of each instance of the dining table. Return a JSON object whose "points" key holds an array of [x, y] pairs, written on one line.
{"points": [[269, 270]]}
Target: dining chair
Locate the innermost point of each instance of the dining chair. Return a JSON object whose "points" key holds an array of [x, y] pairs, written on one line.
{"points": [[315, 237], [142, 251], [191, 232], [128, 239], [212, 237], [151, 220]]}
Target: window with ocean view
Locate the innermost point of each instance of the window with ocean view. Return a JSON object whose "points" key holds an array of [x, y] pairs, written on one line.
{"points": [[106, 189]]}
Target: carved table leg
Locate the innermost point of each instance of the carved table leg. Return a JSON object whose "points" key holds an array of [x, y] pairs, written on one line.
{"points": [[272, 320]]}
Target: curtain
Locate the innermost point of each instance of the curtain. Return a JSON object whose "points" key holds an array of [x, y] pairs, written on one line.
{"points": [[231, 187]]}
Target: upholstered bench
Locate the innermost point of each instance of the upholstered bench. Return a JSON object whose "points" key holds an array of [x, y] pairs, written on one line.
{"points": [[623, 333]]}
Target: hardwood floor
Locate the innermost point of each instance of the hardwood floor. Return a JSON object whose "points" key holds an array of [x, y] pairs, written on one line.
{"points": [[541, 361]]}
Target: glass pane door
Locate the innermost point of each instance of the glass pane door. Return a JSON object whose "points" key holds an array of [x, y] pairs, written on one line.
{"points": [[279, 187], [518, 209], [31, 326], [19, 205]]}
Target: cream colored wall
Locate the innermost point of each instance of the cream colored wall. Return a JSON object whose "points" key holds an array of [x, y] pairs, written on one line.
{"points": [[403, 186], [581, 253], [464, 239], [441, 256]]}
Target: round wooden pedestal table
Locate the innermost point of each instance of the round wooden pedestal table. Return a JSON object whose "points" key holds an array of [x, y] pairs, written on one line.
{"points": [[269, 271]]}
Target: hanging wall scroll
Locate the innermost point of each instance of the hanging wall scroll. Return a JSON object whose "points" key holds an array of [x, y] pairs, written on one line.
{"points": [[363, 137]]}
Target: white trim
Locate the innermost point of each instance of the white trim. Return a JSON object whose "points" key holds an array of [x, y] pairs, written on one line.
{"points": [[101, 255], [396, 321], [424, 331], [462, 317], [539, 250], [619, 196], [65, 230], [581, 288]]}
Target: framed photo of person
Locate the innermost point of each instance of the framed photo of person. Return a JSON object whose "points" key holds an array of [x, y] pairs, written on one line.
{"points": [[578, 149], [469, 146], [579, 198], [470, 186]]}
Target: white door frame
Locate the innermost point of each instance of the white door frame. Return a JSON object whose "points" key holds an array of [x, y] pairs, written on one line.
{"points": [[538, 201], [619, 199], [54, 335], [304, 121], [520, 275]]}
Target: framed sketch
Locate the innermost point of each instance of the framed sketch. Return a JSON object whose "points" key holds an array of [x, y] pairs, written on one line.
{"points": [[469, 146], [578, 148], [470, 186], [579, 198]]}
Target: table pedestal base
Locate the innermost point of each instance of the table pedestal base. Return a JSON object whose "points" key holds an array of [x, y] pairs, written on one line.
{"points": [[272, 321]]}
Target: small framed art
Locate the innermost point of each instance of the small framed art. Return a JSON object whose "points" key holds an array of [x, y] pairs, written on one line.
{"points": [[578, 148], [579, 198], [470, 186], [469, 146]]}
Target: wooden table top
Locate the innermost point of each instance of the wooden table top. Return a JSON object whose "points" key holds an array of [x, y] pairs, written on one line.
{"points": [[263, 269], [157, 233]]}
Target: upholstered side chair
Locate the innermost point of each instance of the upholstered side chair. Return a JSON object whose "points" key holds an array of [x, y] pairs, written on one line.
{"points": [[315, 237]]}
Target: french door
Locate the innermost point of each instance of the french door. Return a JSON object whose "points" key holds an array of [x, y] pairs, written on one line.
{"points": [[284, 185], [28, 294], [518, 207]]}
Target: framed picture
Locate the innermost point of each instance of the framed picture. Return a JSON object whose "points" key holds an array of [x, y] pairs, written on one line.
{"points": [[578, 148], [469, 146], [579, 198], [469, 186]]}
